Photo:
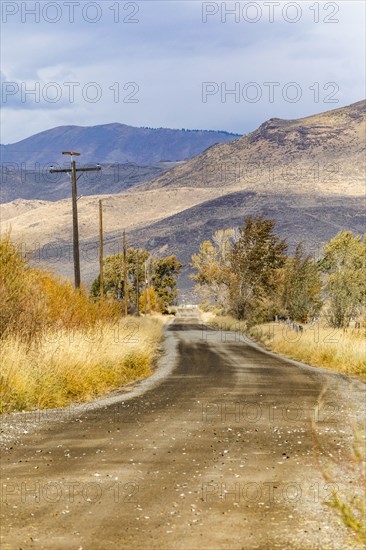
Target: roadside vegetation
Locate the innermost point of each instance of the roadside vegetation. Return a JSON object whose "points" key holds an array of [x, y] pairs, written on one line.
{"points": [[150, 280], [318, 345], [58, 345], [309, 309], [341, 350]]}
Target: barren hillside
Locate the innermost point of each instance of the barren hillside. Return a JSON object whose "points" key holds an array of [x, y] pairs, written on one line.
{"points": [[324, 153], [308, 174], [19, 207]]}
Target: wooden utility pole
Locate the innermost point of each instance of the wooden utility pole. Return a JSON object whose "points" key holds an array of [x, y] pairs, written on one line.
{"points": [[148, 290], [101, 273], [75, 228], [145, 293], [125, 272], [137, 284]]}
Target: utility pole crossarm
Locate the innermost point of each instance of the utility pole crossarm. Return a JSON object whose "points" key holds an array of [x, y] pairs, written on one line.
{"points": [[95, 169], [68, 170], [57, 171]]}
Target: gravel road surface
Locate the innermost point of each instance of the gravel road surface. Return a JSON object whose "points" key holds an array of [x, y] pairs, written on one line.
{"points": [[224, 447]]}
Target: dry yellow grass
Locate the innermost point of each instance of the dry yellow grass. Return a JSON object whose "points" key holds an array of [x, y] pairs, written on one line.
{"points": [[318, 345], [223, 322], [321, 346], [76, 365], [57, 346]]}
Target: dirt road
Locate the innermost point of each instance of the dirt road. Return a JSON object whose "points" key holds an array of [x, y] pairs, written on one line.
{"points": [[221, 449]]}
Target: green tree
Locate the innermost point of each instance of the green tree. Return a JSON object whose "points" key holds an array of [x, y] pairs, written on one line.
{"points": [[164, 279], [302, 286], [113, 271], [162, 273], [136, 260], [344, 265], [95, 288], [257, 256]]}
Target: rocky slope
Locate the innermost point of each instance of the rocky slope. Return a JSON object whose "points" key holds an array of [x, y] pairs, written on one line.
{"points": [[324, 153]]}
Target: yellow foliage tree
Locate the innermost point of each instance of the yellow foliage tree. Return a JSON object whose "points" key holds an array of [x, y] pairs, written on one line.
{"points": [[148, 301]]}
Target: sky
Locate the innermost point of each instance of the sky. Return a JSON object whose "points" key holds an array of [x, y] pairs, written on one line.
{"points": [[177, 64]]}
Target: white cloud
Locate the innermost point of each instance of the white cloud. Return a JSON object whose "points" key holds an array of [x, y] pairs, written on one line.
{"points": [[168, 54]]}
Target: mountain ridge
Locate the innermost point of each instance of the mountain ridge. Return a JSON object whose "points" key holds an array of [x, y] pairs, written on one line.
{"points": [[332, 143], [112, 142]]}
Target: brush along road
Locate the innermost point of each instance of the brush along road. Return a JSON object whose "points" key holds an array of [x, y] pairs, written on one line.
{"points": [[225, 446]]}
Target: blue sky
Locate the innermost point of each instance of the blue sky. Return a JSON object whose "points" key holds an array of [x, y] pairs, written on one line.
{"points": [[174, 64]]}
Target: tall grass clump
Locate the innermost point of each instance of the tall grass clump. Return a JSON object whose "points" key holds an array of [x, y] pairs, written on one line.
{"points": [[57, 346], [320, 345], [64, 366]]}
